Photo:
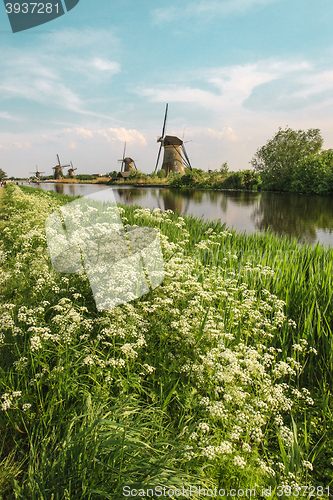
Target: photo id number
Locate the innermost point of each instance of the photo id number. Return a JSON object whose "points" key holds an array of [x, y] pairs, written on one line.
{"points": [[32, 8]]}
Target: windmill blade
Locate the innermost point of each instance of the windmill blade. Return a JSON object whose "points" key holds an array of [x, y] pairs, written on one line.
{"points": [[134, 165], [165, 119], [158, 157], [58, 160], [187, 158], [162, 136], [123, 159]]}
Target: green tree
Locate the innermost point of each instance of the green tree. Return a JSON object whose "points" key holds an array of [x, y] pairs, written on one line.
{"points": [[314, 174], [277, 160], [161, 174], [224, 168], [2, 174]]}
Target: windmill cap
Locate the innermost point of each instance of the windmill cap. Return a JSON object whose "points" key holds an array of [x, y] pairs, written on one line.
{"points": [[172, 140]]}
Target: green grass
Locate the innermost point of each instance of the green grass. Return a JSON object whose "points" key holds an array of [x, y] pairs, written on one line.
{"points": [[149, 393]]}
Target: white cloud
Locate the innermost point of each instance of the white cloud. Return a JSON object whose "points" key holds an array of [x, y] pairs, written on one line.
{"points": [[6, 116], [84, 133], [51, 75], [123, 135], [113, 134], [316, 84], [226, 133], [105, 65], [19, 145], [230, 86], [204, 9]]}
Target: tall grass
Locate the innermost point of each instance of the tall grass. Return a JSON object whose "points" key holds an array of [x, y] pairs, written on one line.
{"points": [[205, 380]]}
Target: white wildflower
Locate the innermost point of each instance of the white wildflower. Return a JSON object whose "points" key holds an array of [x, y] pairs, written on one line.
{"points": [[307, 465], [239, 462]]}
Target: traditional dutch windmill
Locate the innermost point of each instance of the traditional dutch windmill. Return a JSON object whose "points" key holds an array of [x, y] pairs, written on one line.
{"points": [[127, 164], [175, 158], [37, 173], [71, 170], [58, 169]]}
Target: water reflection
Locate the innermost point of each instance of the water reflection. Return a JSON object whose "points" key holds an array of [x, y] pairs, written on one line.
{"points": [[294, 215], [172, 200], [59, 188], [242, 198], [310, 218]]}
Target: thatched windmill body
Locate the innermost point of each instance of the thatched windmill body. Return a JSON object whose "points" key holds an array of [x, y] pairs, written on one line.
{"points": [[175, 158], [58, 169], [127, 164], [37, 173]]}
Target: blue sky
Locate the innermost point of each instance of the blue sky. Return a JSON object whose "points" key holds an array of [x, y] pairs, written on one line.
{"points": [[232, 71]]}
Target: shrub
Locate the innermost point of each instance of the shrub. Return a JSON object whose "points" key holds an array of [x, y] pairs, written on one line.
{"points": [[85, 177], [161, 174], [176, 182], [135, 174]]}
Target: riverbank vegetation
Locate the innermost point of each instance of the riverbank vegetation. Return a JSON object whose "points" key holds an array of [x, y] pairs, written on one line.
{"points": [[246, 180], [220, 377]]}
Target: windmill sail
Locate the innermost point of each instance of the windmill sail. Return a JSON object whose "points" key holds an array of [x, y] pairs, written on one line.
{"points": [[175, 158]]}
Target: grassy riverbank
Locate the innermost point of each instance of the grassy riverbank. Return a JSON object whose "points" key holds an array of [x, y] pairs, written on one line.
{"points": [[196, 179], [220, 377]]}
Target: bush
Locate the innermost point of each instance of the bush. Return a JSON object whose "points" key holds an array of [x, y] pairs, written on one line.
{"points": [[176, 182], [85, 177], [243, 179], [161, 174], [135, 174]]}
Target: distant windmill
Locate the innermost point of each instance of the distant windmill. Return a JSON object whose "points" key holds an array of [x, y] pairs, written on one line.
{"points": [[175, 158], [127, 164], [71, 170], [58, 169], [37, 173]]}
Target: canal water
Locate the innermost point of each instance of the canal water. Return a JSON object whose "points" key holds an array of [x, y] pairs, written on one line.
{"points": [[308, 217]]}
